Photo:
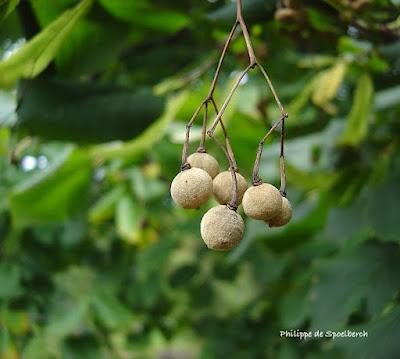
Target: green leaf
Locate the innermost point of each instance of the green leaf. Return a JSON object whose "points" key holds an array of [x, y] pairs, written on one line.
{"points": [[76, 282], [133, 149], [146, 188], [383, 337], [310, 180], [85, 113], [321, 22], [357, 122], [53, 194], [104, 208], [6, 7], [16, 321], [129, 217], [32, 58], [387, 98], [342, 282], [83, 52], [10, 281], [384, 223], [143, 13], [295, 306], [110, 311], [67, 320], [41, 346], [327, 84]]}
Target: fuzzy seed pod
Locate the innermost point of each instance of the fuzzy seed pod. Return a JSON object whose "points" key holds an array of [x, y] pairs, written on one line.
{"points": [[204, 161], [262, 202], [221, 228], [284, 215], [191, 188], [222, 187]]}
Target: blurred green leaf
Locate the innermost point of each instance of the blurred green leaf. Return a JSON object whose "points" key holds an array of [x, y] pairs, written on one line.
{"points": [[131, 150], [35, 55], [327, 84], [67, 319], [53, 194], [353, 46], [320, 21], [387, 98], [76, 281], [357, 122], [146, 189], [6, 7], [311, 180], [383, 338], [41, 347], [342, 282], [85, 113], [128, 219], [295, 306], [10, 281], [110, 311], [83, 51], [143, 13], [15, 321], [385, 222], [104, 208], [315, 61]]}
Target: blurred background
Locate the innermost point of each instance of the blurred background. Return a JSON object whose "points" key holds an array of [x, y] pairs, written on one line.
{"points": [[95, 259]]}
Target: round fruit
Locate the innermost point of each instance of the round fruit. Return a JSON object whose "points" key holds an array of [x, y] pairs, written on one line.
{"points": [[262, 202], [204, 161], [221, 228], [222, 187], [284, 215], [191, 188]]}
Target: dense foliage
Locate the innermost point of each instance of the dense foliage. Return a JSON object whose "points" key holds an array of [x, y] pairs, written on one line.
{"points": [[97, 262]]}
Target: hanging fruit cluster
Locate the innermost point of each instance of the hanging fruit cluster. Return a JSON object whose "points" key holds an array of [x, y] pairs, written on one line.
{"points": [[222, 228]]}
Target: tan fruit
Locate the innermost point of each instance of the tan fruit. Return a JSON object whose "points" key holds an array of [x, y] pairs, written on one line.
{"points": [[204, 161], [222, 187], [284, 215], [191, 188], [262, 202], [221, 228]]}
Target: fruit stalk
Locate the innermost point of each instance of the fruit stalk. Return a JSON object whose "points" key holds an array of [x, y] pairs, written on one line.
{"points": [[282, 160], [256, 169]]}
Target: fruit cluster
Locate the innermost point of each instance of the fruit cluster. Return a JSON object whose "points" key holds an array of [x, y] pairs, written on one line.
{"points": [[222, 227]]}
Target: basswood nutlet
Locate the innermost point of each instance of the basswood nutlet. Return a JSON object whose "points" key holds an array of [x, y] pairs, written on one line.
{"points": [[284, 216], [222, 187], [262, 202], [204, 161], [221, 228], [191, 188]]}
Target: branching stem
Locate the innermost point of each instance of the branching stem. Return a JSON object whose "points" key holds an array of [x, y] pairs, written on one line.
{"points": [[256, 169], [227, 149]]}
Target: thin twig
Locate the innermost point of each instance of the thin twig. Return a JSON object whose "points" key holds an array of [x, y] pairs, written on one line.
{"points": [[204, 130], [221, 61], [282, 160], [256, 168], [278, 102], [246, 36], [227, 140], [209, 98], [233, 203], [185, 150], [227, 100]]}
